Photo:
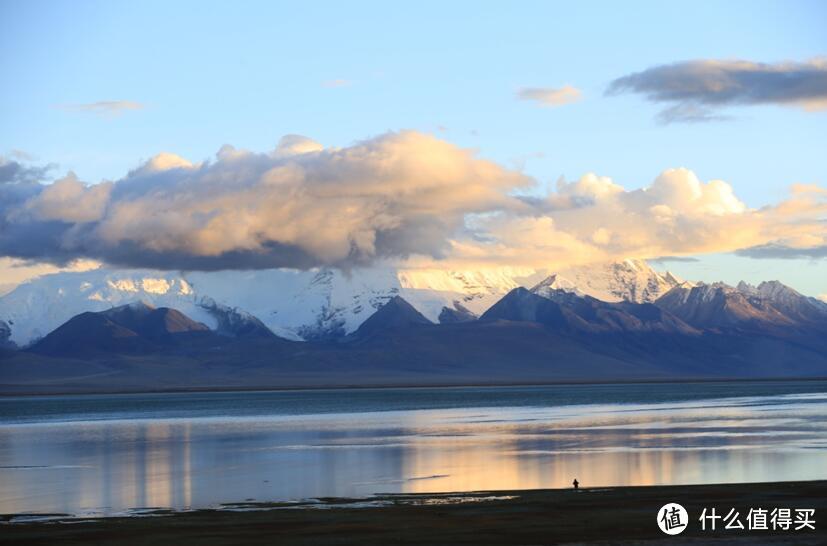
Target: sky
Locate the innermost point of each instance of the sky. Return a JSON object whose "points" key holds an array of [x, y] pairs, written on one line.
{"points": [[505, 97]]}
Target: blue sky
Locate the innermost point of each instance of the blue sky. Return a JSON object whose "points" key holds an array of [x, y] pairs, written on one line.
{"points": [[211, 73]]}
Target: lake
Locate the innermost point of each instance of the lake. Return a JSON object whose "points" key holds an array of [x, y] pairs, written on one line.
{"points": [[108, 454]]}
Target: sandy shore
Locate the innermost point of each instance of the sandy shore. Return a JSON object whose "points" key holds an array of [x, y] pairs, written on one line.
{"points": [[625, 515]]}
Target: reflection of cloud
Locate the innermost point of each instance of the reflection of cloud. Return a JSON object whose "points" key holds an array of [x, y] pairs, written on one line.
{"points": [[550, 96], [696, 88], [105, 108]]}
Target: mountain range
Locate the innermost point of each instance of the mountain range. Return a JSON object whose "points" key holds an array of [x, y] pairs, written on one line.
{"points": [[315, 305], [620, 321]]}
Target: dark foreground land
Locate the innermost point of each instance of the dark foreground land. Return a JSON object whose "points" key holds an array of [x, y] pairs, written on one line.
{"points": [[624, 515]]}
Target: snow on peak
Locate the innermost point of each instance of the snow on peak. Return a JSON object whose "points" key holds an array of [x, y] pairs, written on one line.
{"points": [[319, 303], [40, 305], [627, 280], [551, 284]]}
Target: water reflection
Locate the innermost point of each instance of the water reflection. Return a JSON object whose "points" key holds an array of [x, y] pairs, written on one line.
{"points": [[110, 466]]}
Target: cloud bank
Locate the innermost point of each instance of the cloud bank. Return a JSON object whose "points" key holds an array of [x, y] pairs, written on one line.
{"points": [[697, 90], [593, 219], [548, 96], [404, 197], [298, 206]]}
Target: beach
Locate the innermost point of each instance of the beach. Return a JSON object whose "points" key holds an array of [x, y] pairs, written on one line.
{"points": [[623, 515]]}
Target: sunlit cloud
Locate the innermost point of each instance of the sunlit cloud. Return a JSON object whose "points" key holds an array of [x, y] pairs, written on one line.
{"points": [[593, 219], [550, 96], [406, 197], [14, 271], [299, 205]]}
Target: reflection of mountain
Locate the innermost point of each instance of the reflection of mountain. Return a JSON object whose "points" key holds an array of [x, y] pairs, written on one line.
{"points": [[123, 459]]}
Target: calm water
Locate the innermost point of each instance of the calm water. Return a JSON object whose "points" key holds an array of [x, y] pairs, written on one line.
{"points": [[107, 454]]}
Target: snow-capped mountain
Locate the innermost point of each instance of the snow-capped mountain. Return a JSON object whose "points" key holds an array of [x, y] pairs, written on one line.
{"points": [[306, 305], [293, 304], [628, 280], [788, 301], [769, 306]]}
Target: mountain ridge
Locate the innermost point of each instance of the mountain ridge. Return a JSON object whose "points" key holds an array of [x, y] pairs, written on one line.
{"points": [[299, 305], [547, 343]]}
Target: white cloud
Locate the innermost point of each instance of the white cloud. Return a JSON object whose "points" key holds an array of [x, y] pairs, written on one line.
{"points": [[594, 219], [105, 108], [550, 96], [332, 84]]}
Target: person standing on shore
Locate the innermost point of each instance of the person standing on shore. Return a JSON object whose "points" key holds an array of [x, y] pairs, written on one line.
{"points": [[575, 483]]}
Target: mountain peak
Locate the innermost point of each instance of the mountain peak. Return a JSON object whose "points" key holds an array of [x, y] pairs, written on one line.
{"points": [[457, 313], [719, 305], [134, 327], [626, 280], [523, 305], [396, 313]]}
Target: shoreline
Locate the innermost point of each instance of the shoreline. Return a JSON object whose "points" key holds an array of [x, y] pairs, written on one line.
{"points": [[539, 516], [219, 389]]}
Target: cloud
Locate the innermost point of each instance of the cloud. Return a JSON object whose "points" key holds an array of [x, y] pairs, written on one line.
{"points": [[299, 205], [106, 108], [697, 89], [781, 251], [14, 272], [689, 113], [673, 259], [332, 84], [594, 219], [403, 197], [823, 297], [15, 172], [549, 96], [70, 200]]}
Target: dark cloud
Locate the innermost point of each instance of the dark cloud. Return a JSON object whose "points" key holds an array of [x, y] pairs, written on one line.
{"points": [[697, 89], [783, 252], [12, 171], [673, 259]]}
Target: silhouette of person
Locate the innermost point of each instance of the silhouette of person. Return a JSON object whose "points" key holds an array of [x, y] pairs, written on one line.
{"points": [[575, 483]]}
